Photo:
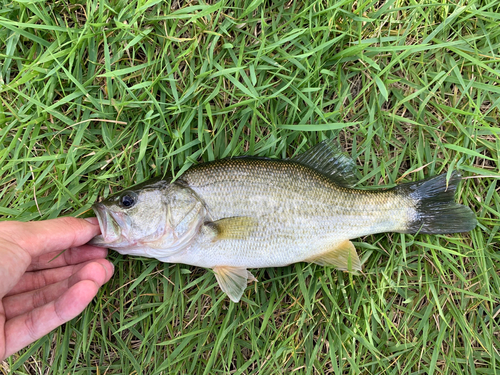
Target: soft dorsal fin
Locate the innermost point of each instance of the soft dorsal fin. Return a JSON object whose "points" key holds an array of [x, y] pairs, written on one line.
{"points": [[328, 158]]}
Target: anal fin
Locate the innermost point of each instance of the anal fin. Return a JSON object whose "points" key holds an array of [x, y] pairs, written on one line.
{"points": [[342, 256], [233, 280]]}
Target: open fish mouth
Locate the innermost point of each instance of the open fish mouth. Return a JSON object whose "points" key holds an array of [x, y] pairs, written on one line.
{"points": [[110, 229]]}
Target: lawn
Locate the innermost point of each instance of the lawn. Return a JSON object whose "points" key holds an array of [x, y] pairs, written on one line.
{"points": [[98, 95]]}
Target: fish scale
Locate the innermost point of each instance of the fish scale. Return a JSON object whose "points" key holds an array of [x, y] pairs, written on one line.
{"points": [[302, 209]]}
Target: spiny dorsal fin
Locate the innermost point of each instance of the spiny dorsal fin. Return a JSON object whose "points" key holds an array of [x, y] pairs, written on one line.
{"points": [[328, 158], [236, 228], [342, 256], [233, 280]]}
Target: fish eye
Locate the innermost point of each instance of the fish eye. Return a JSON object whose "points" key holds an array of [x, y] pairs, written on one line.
{"points": [[128, 200]]}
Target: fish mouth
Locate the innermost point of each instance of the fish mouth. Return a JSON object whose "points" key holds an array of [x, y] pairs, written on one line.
{"points": [[110, 229]]}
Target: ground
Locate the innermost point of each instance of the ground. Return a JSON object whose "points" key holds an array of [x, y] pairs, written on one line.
{"points": [[98, 95]]}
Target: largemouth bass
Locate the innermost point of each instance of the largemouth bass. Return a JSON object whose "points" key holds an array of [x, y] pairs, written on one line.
{"points": [[233, 214]]}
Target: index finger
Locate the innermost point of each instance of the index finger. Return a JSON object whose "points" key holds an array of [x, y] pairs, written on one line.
{"points": [[40, 237]]}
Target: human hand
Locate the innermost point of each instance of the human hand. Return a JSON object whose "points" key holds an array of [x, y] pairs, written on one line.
{"points": [[39, 293]]}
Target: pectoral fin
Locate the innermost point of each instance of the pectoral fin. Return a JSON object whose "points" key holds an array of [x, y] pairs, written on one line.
{"points": [[342, 256], [238, 227], [233, 280]]}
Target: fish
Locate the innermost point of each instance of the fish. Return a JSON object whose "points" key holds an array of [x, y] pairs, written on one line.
{"points": [[235, 214]]}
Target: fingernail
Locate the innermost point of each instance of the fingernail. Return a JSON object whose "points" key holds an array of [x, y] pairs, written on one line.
{"points": [[92, 220]]}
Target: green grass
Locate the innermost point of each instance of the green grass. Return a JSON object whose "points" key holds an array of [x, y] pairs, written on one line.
{"points": [[98, 95]]}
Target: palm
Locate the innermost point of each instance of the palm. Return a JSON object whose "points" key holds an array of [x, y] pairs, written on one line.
{"points": [[40, 291]]}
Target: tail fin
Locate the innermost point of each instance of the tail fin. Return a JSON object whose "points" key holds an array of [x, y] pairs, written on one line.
{"points": [[436, 211]]}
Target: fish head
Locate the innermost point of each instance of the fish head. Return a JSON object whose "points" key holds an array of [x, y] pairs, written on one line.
{"points": [[155, 221]]}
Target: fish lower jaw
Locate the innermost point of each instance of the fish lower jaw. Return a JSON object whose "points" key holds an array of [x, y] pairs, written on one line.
{"points": [[103, 241], [119, 243]]}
